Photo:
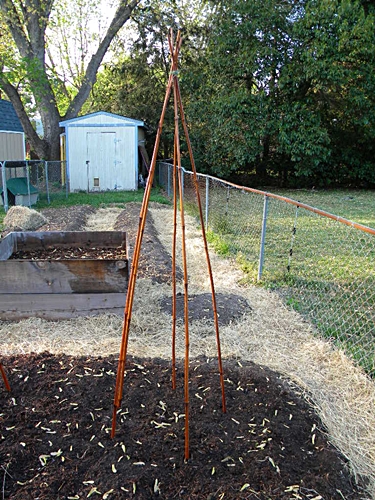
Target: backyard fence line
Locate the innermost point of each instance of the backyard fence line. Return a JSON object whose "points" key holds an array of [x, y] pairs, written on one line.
{"points": [[320, 264], [45, 180]]}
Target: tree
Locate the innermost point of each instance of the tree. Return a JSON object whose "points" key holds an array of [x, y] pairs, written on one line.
{"points": [[25, 72], [288, 92]]}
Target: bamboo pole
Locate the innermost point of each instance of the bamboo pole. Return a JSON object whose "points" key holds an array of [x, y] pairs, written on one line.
{"points": [[196, 185], [136, 254], [3, 374], [174, 266], [184, 258]]}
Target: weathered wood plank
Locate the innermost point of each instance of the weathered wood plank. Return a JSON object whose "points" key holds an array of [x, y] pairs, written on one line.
{"points": [[68, 276], [31, 240], [60, 306], [6, 246]]}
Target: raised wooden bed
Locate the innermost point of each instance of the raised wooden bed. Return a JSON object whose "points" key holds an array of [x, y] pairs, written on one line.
{"points": [[93, 282]]}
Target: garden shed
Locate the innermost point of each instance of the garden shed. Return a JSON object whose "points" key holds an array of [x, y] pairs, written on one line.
{"points": [[101, 151], [12, 136]]}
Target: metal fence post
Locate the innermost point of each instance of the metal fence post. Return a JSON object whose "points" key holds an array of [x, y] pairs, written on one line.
{"points": [[182, 182], [207, 199], [46, 177], [5, 190], [88, 175], [169, 181], [294, 230], [67, 180], [263, 238], [28, 182]]}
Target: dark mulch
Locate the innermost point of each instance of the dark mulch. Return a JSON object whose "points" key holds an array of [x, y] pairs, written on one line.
{"points": [[155, 261], [66, 218], [55, 424], [55, 434], [230, 307]]}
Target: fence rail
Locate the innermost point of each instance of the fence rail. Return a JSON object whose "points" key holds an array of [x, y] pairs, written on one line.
{"points": [[46, 178], [320, 264]]}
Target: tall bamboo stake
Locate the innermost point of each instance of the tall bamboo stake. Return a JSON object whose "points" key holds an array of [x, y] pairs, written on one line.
{"points": [[136, 254], [186, 295], [3, 374], [174, 319], [196, 185]]}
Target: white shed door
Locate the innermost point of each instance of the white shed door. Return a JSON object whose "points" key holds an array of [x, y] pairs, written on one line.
{"points": [[102, 167]]}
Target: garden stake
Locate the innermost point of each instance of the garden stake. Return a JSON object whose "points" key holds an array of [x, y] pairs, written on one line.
{"points": [[174, 268], [184, 260], [196, 185], [3, 374], [133, 273]]}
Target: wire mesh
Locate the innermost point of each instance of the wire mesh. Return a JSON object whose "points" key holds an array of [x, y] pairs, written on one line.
{"points": [[47, 177], [319, 266]]}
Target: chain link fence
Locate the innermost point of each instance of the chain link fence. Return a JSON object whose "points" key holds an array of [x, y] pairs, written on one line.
{"points": [[320, 264], [28, 181]]}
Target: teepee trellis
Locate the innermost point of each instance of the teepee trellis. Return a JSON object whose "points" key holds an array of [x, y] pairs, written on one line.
{"points": [[173, 84]]}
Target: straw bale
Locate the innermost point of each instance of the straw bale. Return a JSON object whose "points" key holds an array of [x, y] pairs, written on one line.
{"points": [[271, 335], [23, 218]]}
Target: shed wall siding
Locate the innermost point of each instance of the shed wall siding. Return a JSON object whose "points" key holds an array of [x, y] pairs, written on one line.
{"points": [[111, 154], [12, 146]]}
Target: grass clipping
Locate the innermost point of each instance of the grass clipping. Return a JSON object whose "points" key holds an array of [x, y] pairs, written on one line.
{"points": [[271, 334]]}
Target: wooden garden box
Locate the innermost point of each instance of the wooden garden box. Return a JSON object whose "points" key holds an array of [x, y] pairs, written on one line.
{"points": [[60, 289]]}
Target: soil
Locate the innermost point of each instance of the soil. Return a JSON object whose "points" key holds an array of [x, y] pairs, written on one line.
{"points": [[71, 253], [55, 423], [230, 307], [155, 261], [55, 437]]}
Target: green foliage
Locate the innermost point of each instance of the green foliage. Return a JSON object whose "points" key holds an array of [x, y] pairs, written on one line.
{"points": [[286, 91], [218, 244]]}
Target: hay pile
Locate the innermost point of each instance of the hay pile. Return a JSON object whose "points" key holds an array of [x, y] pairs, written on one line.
{"points": [[270, 334], [24, 219]]}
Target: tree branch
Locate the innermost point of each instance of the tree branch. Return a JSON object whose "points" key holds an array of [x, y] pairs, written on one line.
{"points": [[14, 96], [121, 16]]}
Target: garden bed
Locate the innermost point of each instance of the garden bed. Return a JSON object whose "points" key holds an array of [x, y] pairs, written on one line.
{"points": [[56, 434]]}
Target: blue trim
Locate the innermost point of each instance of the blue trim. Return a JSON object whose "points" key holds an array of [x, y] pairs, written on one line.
{"points": [[67, 155], [100, 125], [137, 123], [136, 158]]}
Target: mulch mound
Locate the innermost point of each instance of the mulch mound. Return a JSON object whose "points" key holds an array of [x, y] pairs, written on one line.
{"points": [[66, 218], [154, 262], [55, 434]]}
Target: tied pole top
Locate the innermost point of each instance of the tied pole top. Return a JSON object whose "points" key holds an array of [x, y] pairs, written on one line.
{"points": [[174, 49]]}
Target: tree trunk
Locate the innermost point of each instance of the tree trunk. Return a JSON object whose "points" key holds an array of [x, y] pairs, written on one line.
{"points": [[28, 29]]}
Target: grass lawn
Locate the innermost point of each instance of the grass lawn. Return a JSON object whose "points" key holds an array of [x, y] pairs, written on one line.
{"points": [[321, 268], [355, 205]]}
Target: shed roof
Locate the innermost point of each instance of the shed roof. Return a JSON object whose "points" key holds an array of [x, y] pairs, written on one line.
{"points": [[126, 120], [9, 121]]}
